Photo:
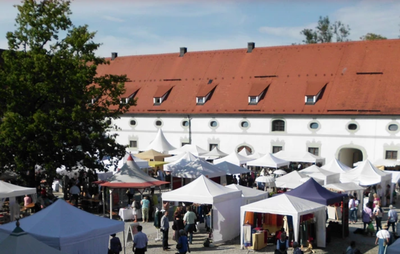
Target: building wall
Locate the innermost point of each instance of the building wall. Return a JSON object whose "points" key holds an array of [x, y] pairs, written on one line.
{"points": [[371, 137]]}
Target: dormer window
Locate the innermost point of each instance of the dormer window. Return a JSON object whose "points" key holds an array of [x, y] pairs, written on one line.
{"points": [[201, 100], [257, 92], [131, 92], [253, 99], [314, 92], [205, 92], [161, 94]]}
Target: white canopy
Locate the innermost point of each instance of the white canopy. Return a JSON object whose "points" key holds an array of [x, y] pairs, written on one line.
{"points": [[234, 158], [299, 157], [249, 195], [318, 173], [269, 160], [366, 174], [231, 169], [336, 166], [178, 161], [214, 153], [20, 242], [289, 205], [202, 191], [386, 163], [160, 143], [256, 155], [292, 180], [8, 190], [194, 149], [195, 169], [226, 205], [344, 187], [244, 152]]}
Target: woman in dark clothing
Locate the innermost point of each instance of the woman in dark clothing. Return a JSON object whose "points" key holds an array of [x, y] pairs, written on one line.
{"points": [[176, 226]]}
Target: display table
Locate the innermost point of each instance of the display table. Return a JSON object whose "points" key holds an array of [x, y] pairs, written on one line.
{"points": [[126, 214], [258, 241]]}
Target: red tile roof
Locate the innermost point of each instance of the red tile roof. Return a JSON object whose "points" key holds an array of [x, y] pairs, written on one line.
{"points": [[362, 78]]}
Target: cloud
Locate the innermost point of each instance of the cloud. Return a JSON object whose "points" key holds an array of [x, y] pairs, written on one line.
{"points": [[288, 32], [113, 19]]}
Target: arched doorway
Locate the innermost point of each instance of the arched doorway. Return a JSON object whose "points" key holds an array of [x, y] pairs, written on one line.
{"points": [[349, 156]]}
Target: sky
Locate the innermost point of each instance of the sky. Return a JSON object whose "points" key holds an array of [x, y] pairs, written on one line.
{"points": [[141, 27]]}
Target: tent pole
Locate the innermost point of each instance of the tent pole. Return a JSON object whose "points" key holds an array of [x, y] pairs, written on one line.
{"points": [[123, 235], [104, 204], [111, 201]]}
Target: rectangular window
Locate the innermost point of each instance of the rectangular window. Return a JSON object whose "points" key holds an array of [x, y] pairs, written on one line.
{"points": [[391, 155], [157, 100], [133, 143], [253, 99], [314, 150], [276, 149], [212, 146], [200, 100]]}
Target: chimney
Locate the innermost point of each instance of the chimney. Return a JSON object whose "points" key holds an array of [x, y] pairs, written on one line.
{"points": [[182, 51], [250, 46], [114, 55]]}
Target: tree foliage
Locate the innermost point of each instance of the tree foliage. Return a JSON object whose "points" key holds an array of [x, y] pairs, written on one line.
{"points": [[326, 32], [54, 109], [372, 37]]}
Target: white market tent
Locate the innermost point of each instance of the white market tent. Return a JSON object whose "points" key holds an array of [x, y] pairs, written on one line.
{"points": [[249, 195], [244, 152], [270, 161], [256, 155], [366, 174], [226, 205], [178, 161], [234, 158], [292, 206], [8, 190], [214, 154], [20, 242], [160, 143], [305, 157], [69, 229], [293, 180], [336, 166], [231, 169], [197, 168], [194, 149], [318, 173]]}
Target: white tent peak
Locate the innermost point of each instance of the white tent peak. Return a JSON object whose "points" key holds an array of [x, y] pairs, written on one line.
{"points": [[203, 191], [244, 152], [194, 149], [214, 153], [336, 166], [160, 143], [269, 160], [234, 158]]}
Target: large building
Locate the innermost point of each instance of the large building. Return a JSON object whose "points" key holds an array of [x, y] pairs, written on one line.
{"points": [[335, 100]]}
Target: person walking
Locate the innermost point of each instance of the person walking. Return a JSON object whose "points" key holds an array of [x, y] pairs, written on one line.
{"points": [[115, 245], [164, 227], [382, 238], [189, 219], [140, 241], [177, 226], [182, 244], [353, 210], [145, 209], [378, 213], [392, 218], [367, 215]]}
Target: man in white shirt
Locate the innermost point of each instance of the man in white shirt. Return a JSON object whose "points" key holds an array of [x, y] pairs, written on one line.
{"points": [[189, 219], [75, 192]]}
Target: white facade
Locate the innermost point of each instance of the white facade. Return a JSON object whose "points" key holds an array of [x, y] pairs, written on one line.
{"points": [[331, 134]]}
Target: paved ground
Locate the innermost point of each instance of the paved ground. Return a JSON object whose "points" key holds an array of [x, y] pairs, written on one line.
{"points": [[336, 245]]}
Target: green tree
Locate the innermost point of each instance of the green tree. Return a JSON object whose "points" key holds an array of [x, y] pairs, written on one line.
{"points": [[54, 109], [372, 37], [326, 32]]}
